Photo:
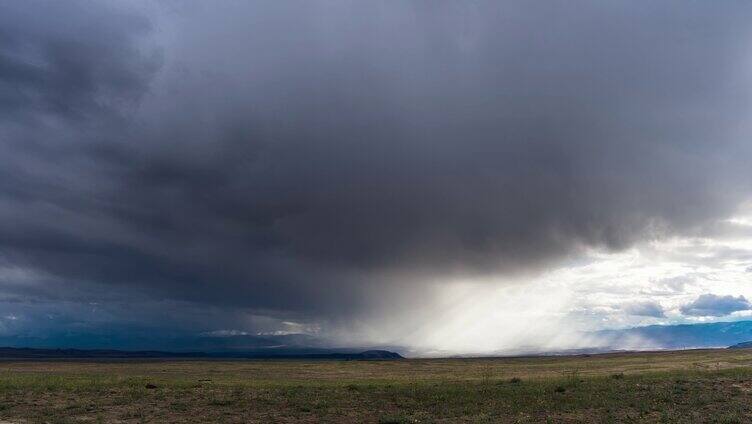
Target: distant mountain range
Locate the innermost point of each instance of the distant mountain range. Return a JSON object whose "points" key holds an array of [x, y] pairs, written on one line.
{"points": [[31, 353], [717, 334], [122, 344], [138, 341], [745, 345]]}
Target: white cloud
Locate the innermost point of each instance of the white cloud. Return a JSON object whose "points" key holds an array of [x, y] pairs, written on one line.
{"points": [[225, 333]]}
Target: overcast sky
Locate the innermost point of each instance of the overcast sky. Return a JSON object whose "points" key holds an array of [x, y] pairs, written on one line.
{"points": [[436, 175]]}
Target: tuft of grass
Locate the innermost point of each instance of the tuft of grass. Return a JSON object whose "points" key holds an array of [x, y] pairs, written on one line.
{"points": [[395, 419]]}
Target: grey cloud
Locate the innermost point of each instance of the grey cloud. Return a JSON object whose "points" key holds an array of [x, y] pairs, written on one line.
{"points": [[645, 309], [309, 158], [69, 59], [716, 306]]}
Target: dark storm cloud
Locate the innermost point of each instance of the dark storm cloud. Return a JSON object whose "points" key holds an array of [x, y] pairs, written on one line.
{"points": [[70, 59], [311, 156]]}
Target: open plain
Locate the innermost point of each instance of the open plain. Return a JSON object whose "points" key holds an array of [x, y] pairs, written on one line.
{"points": [[679, 386]]}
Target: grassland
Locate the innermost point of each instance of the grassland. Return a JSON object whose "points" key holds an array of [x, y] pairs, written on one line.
{"points": [[686, 386]]}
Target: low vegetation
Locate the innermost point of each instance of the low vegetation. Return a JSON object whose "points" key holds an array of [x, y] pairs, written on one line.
{"points": [[687, 386]]}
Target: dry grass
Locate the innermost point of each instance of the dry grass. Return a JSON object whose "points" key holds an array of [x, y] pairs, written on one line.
{"points": [[686, 386]]}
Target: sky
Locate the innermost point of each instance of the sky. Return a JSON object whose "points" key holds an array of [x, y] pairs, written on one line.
{"points": [[445, 176]]}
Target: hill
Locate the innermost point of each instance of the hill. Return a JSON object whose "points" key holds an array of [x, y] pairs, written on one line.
{"points": [[744, 345]]}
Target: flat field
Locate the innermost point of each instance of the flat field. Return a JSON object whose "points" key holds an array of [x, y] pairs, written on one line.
{"points": [[681, 386]]}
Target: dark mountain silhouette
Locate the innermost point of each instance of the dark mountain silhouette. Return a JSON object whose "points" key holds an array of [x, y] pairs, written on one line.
{"points": [[184, 343], [31, 353]]}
